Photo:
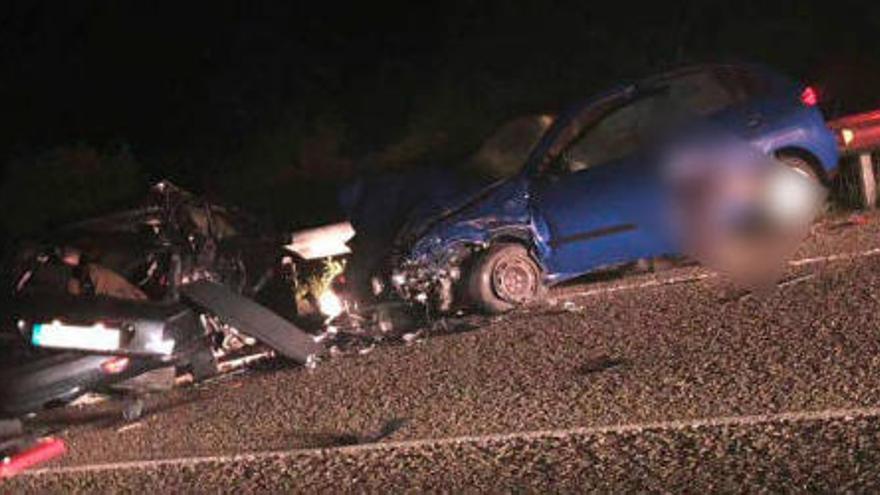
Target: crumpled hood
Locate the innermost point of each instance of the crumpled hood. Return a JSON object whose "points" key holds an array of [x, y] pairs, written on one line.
{"points": [[436, 209]]}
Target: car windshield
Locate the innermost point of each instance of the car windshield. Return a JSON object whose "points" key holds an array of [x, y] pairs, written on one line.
{"points": [[503, 154]]}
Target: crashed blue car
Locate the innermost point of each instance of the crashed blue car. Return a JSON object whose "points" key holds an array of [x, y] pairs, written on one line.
{"points": [[589, 194]]}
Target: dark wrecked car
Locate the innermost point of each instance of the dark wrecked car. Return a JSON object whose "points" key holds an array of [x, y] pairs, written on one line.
{"points": [[590, 195], [172, 284]]}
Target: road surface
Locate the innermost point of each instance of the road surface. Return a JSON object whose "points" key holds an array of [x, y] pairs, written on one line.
{"points": [[664, 381]]}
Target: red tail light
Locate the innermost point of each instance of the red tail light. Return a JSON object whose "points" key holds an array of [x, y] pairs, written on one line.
{"points": [[809, 96], [115, 365]]}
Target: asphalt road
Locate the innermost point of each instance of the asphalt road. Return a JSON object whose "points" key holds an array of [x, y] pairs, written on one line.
{"points": [[673, 380]]}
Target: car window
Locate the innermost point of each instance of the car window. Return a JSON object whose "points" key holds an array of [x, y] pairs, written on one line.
{"points": [[700, 93], [666, 103], [613, 137]]}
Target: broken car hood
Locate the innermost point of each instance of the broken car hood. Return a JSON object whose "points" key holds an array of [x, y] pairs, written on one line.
{"points": [[431, 214]]}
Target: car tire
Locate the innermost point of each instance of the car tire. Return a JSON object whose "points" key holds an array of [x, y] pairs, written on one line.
{"points": [[503, 277]]}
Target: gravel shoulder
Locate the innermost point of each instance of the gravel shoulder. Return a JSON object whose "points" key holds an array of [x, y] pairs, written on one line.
{"points": [[650, 352]]}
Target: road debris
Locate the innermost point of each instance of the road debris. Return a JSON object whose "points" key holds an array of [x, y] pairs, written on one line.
{"points": [[571, 307], [23, 453], [130, 426], [89, 399], [746, 294], [600, 363], [133, 408], [796, 280]]}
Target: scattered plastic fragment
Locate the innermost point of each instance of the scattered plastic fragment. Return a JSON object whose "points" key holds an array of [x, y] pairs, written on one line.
{"points": [[43, 450], [858, 219], [570, 306], [311, 362], [130, 426], [89, 399]]}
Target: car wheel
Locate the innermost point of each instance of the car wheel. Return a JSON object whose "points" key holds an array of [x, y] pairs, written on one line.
{"points": [[504, 277]]}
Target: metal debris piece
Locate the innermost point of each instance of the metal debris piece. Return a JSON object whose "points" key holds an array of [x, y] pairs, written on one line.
{"points": [[133, 408], [796, 280], [329, 332], [89, 399], [236, 364], [130, 426], [311, 362], [599, 363], [570, 306]]}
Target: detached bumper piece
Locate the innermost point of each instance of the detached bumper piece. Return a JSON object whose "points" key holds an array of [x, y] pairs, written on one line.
{"points": [[108, 326]]}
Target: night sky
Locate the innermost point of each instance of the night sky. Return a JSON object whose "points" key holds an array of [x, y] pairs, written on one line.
{"points": [[271, 104]]}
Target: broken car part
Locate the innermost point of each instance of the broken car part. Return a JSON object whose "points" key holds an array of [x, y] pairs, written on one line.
{"points": [[252, 318], [109, 326], [110, 288], [322, 242], [29, 453]]}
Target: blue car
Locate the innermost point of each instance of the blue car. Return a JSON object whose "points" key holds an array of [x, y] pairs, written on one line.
{"points": [[590, 194]]}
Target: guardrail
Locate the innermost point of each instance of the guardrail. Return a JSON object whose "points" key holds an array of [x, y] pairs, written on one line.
{"points": [[858, 136]]}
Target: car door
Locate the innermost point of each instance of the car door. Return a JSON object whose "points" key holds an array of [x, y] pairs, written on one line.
{"points": [[599, 201]]}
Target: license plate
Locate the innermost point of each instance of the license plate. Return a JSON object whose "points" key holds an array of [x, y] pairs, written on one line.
{"points": [[88, 338]]}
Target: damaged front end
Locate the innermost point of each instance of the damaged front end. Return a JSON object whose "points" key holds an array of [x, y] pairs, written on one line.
{"points": [[430, 277], [431, 256]]}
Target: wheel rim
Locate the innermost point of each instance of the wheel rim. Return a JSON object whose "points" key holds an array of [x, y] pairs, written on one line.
{"points": [[514, 280]]}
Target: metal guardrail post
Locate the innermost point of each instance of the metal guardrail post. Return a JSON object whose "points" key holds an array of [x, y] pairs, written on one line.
{"points": [[867, 181]]}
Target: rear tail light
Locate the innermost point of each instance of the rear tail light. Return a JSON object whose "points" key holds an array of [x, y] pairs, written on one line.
{"points": [[809, 96], [115, 365]]}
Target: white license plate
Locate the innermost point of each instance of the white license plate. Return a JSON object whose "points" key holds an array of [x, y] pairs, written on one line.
{"points": [[87, 338]]}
